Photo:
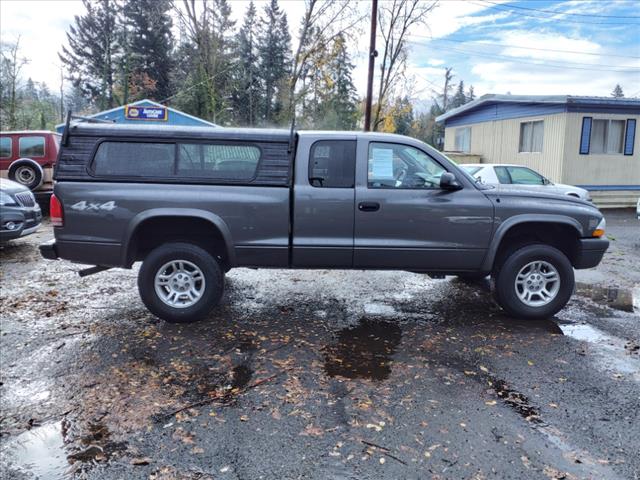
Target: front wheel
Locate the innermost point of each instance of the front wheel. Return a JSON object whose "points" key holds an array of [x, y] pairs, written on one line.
{"points": [[180, 282], [534, 282]]}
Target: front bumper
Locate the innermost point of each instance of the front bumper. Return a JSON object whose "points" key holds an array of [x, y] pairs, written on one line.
{"points": [[590, 252], [48, 250], [22, 220]]}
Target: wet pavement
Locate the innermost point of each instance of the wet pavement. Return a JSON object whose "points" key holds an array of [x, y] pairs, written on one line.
{"points": [[310, 374]]}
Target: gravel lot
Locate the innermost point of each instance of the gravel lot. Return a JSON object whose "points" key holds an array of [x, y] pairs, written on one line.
{"points": [[315, 374]]}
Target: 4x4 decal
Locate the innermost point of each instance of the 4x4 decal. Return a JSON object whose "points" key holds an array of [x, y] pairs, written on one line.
{"points": [[93, 207]]}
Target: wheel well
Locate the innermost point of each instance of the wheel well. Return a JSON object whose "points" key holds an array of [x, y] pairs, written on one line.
{"points": [[156, 231], [561, 236]]}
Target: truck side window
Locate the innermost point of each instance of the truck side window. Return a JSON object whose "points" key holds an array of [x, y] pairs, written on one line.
{"points": [[31, 146], [134, 159], [332, 164], [5, 147], [223, 161], [393, 165]]}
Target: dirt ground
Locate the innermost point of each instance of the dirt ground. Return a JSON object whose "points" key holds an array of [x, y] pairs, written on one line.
{"points": [[315, 374]]}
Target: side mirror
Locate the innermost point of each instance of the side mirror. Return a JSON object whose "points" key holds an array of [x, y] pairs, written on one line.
{"points": [[448, 181]]}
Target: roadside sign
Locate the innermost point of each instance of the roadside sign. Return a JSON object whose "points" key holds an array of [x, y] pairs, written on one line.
{"points": [[149, 114]]}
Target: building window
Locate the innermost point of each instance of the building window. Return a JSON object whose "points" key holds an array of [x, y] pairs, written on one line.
{"points": [[531, 137], [463, 140], [607, 136]]}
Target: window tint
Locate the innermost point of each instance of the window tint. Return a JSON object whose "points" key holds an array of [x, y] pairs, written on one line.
{"points": [[463, 140], [502, 174], [232, 162], [531, 137], [524, 176], [5, 147], [607, 136], [132, 159], [401, 166], [31, 146], [332, 164]]}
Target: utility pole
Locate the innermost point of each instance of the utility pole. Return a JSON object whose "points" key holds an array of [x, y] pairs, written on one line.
{"points": [[372, 58]]}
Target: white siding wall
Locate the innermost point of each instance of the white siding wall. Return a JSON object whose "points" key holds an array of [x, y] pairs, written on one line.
{"points": [[602, 169], [498, 142]]}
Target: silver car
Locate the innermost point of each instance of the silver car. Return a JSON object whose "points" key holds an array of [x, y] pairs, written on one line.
{"points": [[523, 177]]}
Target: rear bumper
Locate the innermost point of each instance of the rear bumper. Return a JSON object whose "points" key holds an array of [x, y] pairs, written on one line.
{"points": [[48, 250], [590, 252]]}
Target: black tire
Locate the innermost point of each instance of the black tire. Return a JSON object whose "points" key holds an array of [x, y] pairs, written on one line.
{"points": [[213, 287], [505, 277], [26, 172]]}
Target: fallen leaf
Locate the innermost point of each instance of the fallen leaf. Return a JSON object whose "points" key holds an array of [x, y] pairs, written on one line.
{"points": [[382, 460], [490, 402], [484, 369], [140, 461]]}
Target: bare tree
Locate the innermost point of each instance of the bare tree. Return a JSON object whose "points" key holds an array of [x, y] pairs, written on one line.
{"points": [[396, 18], [11, 66], [323, 22]]}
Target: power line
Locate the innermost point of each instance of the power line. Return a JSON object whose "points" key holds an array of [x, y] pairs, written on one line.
{"points": [[503, 8], [565, 13], [545, 64], [481, 43]]}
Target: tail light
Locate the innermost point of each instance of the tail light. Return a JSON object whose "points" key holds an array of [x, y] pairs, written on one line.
{"points": [[55, 211]]}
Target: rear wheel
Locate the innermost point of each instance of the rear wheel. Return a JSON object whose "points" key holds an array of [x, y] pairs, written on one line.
{"points": [[180, 282], [534, 282]]}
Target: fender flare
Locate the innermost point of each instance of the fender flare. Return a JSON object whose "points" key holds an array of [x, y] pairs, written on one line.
{"points": [[215, 220], [508, 224], [33, 163]]}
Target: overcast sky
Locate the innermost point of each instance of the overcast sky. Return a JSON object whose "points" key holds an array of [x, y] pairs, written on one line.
{"points": [[523, 47]]}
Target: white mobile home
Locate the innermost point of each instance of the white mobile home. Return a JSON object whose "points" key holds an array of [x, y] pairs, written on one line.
{"points": [[584, 141]]}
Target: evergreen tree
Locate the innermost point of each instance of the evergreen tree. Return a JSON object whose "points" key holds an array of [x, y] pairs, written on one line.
{"points": [[274, 53], [247, 91], [149, 44], [221, 60], [460, 97], [617, 91], [91, 58], [403, 116], [343, 103]]}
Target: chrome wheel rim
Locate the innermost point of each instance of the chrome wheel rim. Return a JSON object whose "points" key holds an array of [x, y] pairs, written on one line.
{"points": [[25, 175], [179, 283], [537, 283]]}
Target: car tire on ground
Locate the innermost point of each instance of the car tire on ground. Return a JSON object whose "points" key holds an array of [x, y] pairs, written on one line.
{"points": [[26, 172], [180, 282], [534, 282]]}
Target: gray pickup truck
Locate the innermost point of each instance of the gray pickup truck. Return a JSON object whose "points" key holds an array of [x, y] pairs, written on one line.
{"points": [[192, 203]]}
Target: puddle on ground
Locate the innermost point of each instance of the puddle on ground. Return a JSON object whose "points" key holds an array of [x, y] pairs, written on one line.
{"points": [[39, 451], [363, 351], [241, 376], [611, 352]]}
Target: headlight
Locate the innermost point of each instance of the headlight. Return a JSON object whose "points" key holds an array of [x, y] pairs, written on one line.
{"points": [[599, 231], [6, 199]]}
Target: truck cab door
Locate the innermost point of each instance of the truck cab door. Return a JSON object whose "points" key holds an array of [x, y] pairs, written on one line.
{"points": [[404, 220], [323, 205]]}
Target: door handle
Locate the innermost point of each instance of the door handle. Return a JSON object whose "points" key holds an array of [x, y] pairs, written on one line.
{"points": [[368, 206]]}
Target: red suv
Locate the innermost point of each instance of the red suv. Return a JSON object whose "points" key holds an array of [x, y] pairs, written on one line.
{"points": [[27, 157]]}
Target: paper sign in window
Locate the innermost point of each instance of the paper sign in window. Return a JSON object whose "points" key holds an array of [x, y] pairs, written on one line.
{"points": [[382, 163]]}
